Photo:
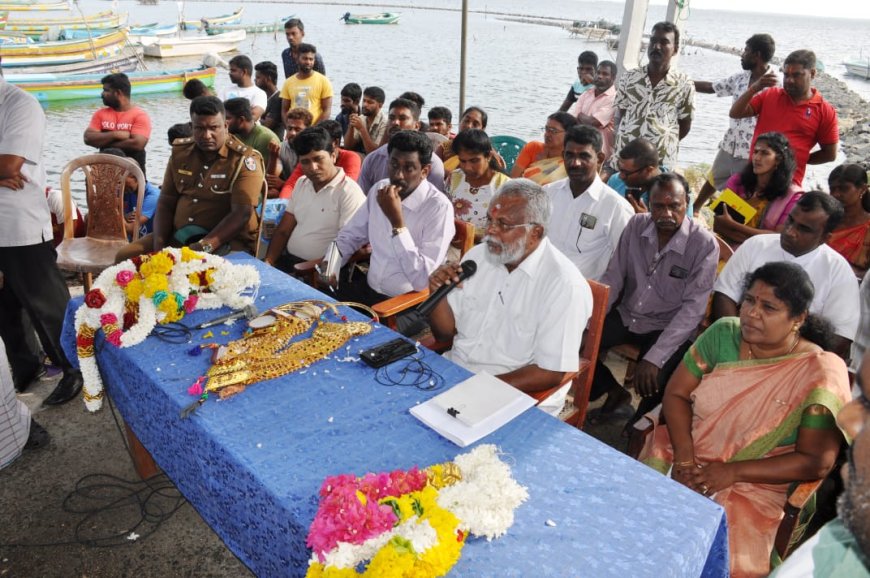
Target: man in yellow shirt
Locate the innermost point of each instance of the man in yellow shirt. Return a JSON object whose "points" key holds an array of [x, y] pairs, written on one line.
{"points": [[307, 88]]}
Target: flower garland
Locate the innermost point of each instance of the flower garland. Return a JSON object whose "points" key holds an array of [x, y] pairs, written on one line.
{"points": [[414, 523], [129, 299]]}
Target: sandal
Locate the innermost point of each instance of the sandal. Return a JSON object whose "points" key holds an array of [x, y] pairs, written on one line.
{"points": [[38, 437], [618, 405]]}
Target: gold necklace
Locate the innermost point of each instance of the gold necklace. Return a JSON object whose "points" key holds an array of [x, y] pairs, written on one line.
{"points": [[797, 339]]}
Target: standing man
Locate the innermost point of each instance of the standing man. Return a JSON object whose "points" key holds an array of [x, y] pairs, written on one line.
{"points": [[307, 88], [365, 131], [586, 64], [733, 153], [210, 189], [350, 96], [294, 30], [323, 201], [31, 284], [241, 71], [266, 79], [595, 107], [660, 278], [521, 316], [588, 216], [803, 242], [404, 115], [120, 125], [240, 124], [797, 110], [655, 102], [408, 222]]}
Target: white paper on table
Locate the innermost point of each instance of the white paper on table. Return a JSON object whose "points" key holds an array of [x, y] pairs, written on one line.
{"points": [[483, 402]]}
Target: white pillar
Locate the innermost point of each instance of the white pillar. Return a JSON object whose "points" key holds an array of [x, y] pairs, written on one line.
{"points": [[631, 34], [679, 15]]}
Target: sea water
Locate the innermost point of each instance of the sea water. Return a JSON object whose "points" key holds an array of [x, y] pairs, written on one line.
{"points": [[518, 72]]}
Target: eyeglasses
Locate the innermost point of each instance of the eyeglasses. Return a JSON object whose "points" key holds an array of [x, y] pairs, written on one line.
{"points": [[551, 129], [627, 173], [500, 225]]}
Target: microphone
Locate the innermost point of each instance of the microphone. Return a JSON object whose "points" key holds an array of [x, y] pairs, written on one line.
{"points": [[415, 321], [249, 312]]}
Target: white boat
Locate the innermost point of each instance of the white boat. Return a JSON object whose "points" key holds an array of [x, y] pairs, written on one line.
{"points": [[858, 67], [195, 45]]}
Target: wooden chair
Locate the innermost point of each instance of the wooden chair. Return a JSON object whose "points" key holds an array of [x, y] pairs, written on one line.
{"points": [[104, 189], [588, 355], [509, 148]]}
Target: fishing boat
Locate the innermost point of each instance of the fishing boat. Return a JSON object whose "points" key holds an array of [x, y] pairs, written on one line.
{"points": [[140, 34], [203, 23], [60, 87], [195, 45], [40, 27], [14, 38], [254, 28], [859, 67], [126, 60], [34, 6], [382, 18], [63, 52]]}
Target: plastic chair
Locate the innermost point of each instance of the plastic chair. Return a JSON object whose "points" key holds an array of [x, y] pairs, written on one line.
{"points": [[104, 188], [588, 354], [509, 148]]}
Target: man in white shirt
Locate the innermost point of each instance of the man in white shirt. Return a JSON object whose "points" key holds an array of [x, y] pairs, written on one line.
{"points": [[323, 201], [802, 241], [241, 71], [588, 216], [31, 281], [521, 316], [408, 222]]}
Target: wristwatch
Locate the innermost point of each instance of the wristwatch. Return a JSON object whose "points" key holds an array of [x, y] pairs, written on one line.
{"points": [[206, 247], [398, 230]]}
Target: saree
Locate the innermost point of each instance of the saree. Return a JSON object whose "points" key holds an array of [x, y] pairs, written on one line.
{"points": [[853, 243], [748, 410]]}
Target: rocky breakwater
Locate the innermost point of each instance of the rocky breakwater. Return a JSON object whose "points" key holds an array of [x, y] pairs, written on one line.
{"points": [[853, 113]]}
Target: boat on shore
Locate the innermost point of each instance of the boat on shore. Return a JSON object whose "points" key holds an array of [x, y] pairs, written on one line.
{"points": [[140, 34], [254, 28], [63, 46], [859, 67], [41, 26], [195, 45], [35, 6], [126, 60], [206, 22], [61, 87], [381, 18]]}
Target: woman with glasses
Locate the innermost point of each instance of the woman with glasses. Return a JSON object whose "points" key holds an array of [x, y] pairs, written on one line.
{"points": [[767, 191], [542, 161]]}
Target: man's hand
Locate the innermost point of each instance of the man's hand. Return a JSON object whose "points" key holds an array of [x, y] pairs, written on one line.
{"points": [[636, 203], [321, 276], [446, 274], [274, 182], [391, 204], [646, 378], [357, 122], [120, 134], [587, 78], [274, 148], [16, 182], [766, 81]]}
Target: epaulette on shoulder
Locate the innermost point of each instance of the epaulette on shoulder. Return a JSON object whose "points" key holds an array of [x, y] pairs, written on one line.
{"points": [[238, 146], [181, 141]]}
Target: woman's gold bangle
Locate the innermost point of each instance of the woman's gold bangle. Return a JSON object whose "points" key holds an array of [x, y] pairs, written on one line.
{"points": [[685, 464]]}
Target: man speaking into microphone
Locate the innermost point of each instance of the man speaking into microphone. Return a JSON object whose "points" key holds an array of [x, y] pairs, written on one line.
{"points": [[521, 315]]}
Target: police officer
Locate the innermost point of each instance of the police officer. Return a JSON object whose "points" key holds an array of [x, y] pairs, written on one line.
{"points": [[210, 190]]}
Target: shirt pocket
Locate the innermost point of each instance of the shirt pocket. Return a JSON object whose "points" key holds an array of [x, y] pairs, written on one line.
{"points": [[670, 289]]}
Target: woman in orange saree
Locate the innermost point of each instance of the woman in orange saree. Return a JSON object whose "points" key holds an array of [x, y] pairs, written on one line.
{"points": [[752, 409], [851, 238]]}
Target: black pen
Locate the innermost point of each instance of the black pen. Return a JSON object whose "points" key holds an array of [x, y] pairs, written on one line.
{"points": [[501, 298]]}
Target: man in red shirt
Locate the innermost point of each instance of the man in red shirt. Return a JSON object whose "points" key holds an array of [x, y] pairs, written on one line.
{"points": [[797, 110], [347, 160], [119, 125]]}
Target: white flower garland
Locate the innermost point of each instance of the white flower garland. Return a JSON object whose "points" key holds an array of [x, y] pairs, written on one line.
{"points": [[232, 285]]}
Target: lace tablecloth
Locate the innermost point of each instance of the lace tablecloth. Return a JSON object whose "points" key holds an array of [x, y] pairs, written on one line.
{"points": [[252, 465]]}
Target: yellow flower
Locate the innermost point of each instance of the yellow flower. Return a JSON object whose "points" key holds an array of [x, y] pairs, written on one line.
{"points": [[155, 283], [361, 497], [188, 254], [134, 289], [209, 276], [193, 278], [159, 264]]}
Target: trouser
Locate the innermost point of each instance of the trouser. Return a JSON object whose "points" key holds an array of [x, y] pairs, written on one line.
{"points": [[616, 333], [32, 284], [356, 288]]}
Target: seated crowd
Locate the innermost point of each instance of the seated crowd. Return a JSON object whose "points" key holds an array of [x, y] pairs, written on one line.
{"points": [[741, 359]]}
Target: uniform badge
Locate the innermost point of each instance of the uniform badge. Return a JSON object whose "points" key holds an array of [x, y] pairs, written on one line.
{"points": [[250, 163]]}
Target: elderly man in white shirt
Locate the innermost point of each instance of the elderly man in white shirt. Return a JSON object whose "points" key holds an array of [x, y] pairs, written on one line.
{"points": [[802, 242], [521, 316], [408, 222], [588, 216]]}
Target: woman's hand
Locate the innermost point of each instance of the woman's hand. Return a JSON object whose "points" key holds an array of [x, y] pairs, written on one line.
{"points": [[684, 474], [713, 477]]}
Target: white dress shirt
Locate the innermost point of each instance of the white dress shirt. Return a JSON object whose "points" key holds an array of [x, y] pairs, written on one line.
{"points": [[587, 229], [320, 214], [24, 216], [836, 296], [401, 263], [535, 314]]}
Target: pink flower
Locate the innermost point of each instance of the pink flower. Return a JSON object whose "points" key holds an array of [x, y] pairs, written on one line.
{"points": [[190, 303], [124, 277], [114, 338], [108, 319]]}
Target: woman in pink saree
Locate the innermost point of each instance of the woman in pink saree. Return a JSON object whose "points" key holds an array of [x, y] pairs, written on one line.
{"points": [[752, 409]]}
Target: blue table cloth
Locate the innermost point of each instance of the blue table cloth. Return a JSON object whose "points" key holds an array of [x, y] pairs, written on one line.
{"points": [[252, 465]]}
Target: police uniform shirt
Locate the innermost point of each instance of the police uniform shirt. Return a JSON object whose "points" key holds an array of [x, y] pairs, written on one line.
{"points": [[204, 190]]}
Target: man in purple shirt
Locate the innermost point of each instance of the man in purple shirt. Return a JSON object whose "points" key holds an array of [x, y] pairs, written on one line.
{"points": [[661, 275], [408, 222]]}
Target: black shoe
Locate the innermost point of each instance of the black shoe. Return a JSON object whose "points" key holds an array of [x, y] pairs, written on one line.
{"points": [[38, 437], [68, 388], [21, 385]]}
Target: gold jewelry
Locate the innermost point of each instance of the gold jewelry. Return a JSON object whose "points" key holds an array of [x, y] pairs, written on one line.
{"points": [[684, 464], [797, 339]]}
